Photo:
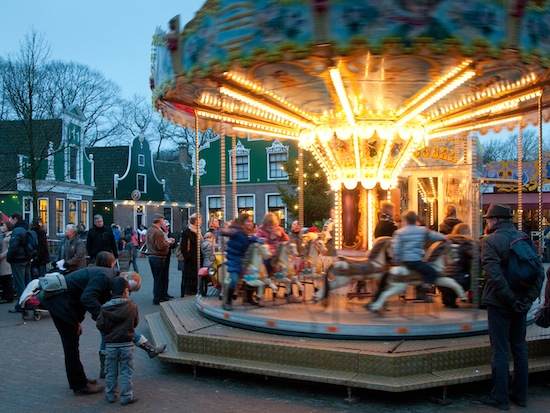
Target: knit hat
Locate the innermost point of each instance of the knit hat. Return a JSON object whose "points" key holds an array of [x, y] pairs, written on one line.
{"points": [[498, 211]]}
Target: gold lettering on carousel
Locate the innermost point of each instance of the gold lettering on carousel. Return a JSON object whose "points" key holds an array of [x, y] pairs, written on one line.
{"points": [[435, 152]]}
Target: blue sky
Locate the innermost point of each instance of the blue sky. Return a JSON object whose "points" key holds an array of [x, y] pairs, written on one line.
{"points": [[113, 36]]}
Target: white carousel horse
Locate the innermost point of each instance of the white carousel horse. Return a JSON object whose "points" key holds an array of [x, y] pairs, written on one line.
{"points": [[347, 269], [400, 277], [311, 267], [282, 268], [254, 270]]}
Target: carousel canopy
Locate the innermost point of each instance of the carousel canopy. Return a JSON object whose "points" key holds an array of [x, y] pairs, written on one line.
{"points": [[360, 83]]}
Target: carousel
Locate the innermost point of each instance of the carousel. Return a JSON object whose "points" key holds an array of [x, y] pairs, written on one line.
{"points": [[370, 88]]}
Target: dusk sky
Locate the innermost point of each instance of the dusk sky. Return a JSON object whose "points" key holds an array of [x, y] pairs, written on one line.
{"points": [[113, 36]]}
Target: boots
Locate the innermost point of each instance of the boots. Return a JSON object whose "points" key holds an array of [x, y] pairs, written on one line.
{"points": [[249, 298], [102, 365], [422, 294], [228, 306], [151, 350]]}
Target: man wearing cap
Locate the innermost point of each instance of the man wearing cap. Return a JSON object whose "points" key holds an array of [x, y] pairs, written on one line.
{"points": [[506, 310]]}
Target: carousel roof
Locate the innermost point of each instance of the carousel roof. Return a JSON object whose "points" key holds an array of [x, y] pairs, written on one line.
{"points": [[361, 84]]}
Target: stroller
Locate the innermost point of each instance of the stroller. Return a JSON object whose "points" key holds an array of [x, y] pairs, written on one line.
{"points": [[29, 302]]}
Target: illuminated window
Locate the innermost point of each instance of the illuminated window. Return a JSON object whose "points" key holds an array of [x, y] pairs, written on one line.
{"points": [[276, 205], [43, 211], [59, 215], [73, 215], [84, 213], [246, 205], [214, 206], [277, 155]]}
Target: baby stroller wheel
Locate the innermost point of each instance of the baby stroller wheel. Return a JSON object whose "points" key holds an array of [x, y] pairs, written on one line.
{"points": [[37, 315], [25, 315]]}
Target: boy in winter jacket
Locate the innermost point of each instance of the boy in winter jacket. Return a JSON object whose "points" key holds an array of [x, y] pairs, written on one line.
{"points": [[117, 321]]}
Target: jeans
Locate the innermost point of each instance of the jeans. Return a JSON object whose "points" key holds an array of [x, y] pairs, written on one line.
{"points": [[427, 271], [158, 269], [508, 328], [119, 367], [234, 279], [21, 272]]}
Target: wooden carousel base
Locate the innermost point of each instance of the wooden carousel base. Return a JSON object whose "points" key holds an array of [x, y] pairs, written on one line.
{"points": [[195, 336]]}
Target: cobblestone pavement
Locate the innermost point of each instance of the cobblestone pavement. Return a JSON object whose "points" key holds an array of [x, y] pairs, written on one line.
{"points": [[32, 379]]}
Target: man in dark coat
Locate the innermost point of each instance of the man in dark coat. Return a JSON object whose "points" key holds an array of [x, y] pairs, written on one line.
{"points": [[506, 310], [18, 257], [100, 238], [38, 267]]}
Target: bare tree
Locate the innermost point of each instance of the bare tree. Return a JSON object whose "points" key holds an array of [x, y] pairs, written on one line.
{"points": [[98, 98], [507, 148], [23, 80]]}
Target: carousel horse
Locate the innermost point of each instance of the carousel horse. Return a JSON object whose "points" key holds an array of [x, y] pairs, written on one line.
{"points": [[311, 266], [400, 277], [283, 270], [347, 269], [254, 270]]}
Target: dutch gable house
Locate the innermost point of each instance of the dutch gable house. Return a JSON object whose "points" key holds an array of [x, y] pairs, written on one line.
{"points": [[63, 174]]}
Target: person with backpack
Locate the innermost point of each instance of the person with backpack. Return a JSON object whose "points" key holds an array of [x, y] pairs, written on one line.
{"points": [[508, 302], [22, 248]]}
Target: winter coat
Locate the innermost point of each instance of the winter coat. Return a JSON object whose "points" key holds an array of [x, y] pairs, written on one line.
{"points": [[117, 320], [236, 247], [273, 236], [385, 227], [495, 249], [156, 242], [189, 250], [43, 255], [101, 239], [448, 224], [5, 267], [73, 252], [16, 250], [408, 242], [458, 265]]}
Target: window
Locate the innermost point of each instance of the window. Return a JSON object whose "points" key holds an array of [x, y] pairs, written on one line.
{"points": [[73, 162], [59, 215], [245, 205], [277, 154], [84, 213], [141, 183], [167, 212], [73, 215], [27, 208], [140, 216], [141, 160], [43, 211], [214, 205], [242, 167], [275, 204]]}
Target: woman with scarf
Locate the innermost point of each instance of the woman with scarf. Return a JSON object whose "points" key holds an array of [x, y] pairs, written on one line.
{"points": [[190, 240]]}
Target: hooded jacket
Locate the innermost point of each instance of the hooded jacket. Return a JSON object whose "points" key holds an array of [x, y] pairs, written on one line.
{"points": [[16, 251], [117, 320], [448, 224]]}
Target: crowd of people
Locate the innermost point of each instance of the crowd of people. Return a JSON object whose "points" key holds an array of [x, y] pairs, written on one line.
{"points": [[87, 259]]}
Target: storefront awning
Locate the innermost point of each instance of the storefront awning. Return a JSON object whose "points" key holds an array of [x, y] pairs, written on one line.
{"points": [[530, 200]]}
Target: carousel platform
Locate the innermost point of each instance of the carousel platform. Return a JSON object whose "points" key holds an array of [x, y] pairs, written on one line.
{"points": [[409, 346]]}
